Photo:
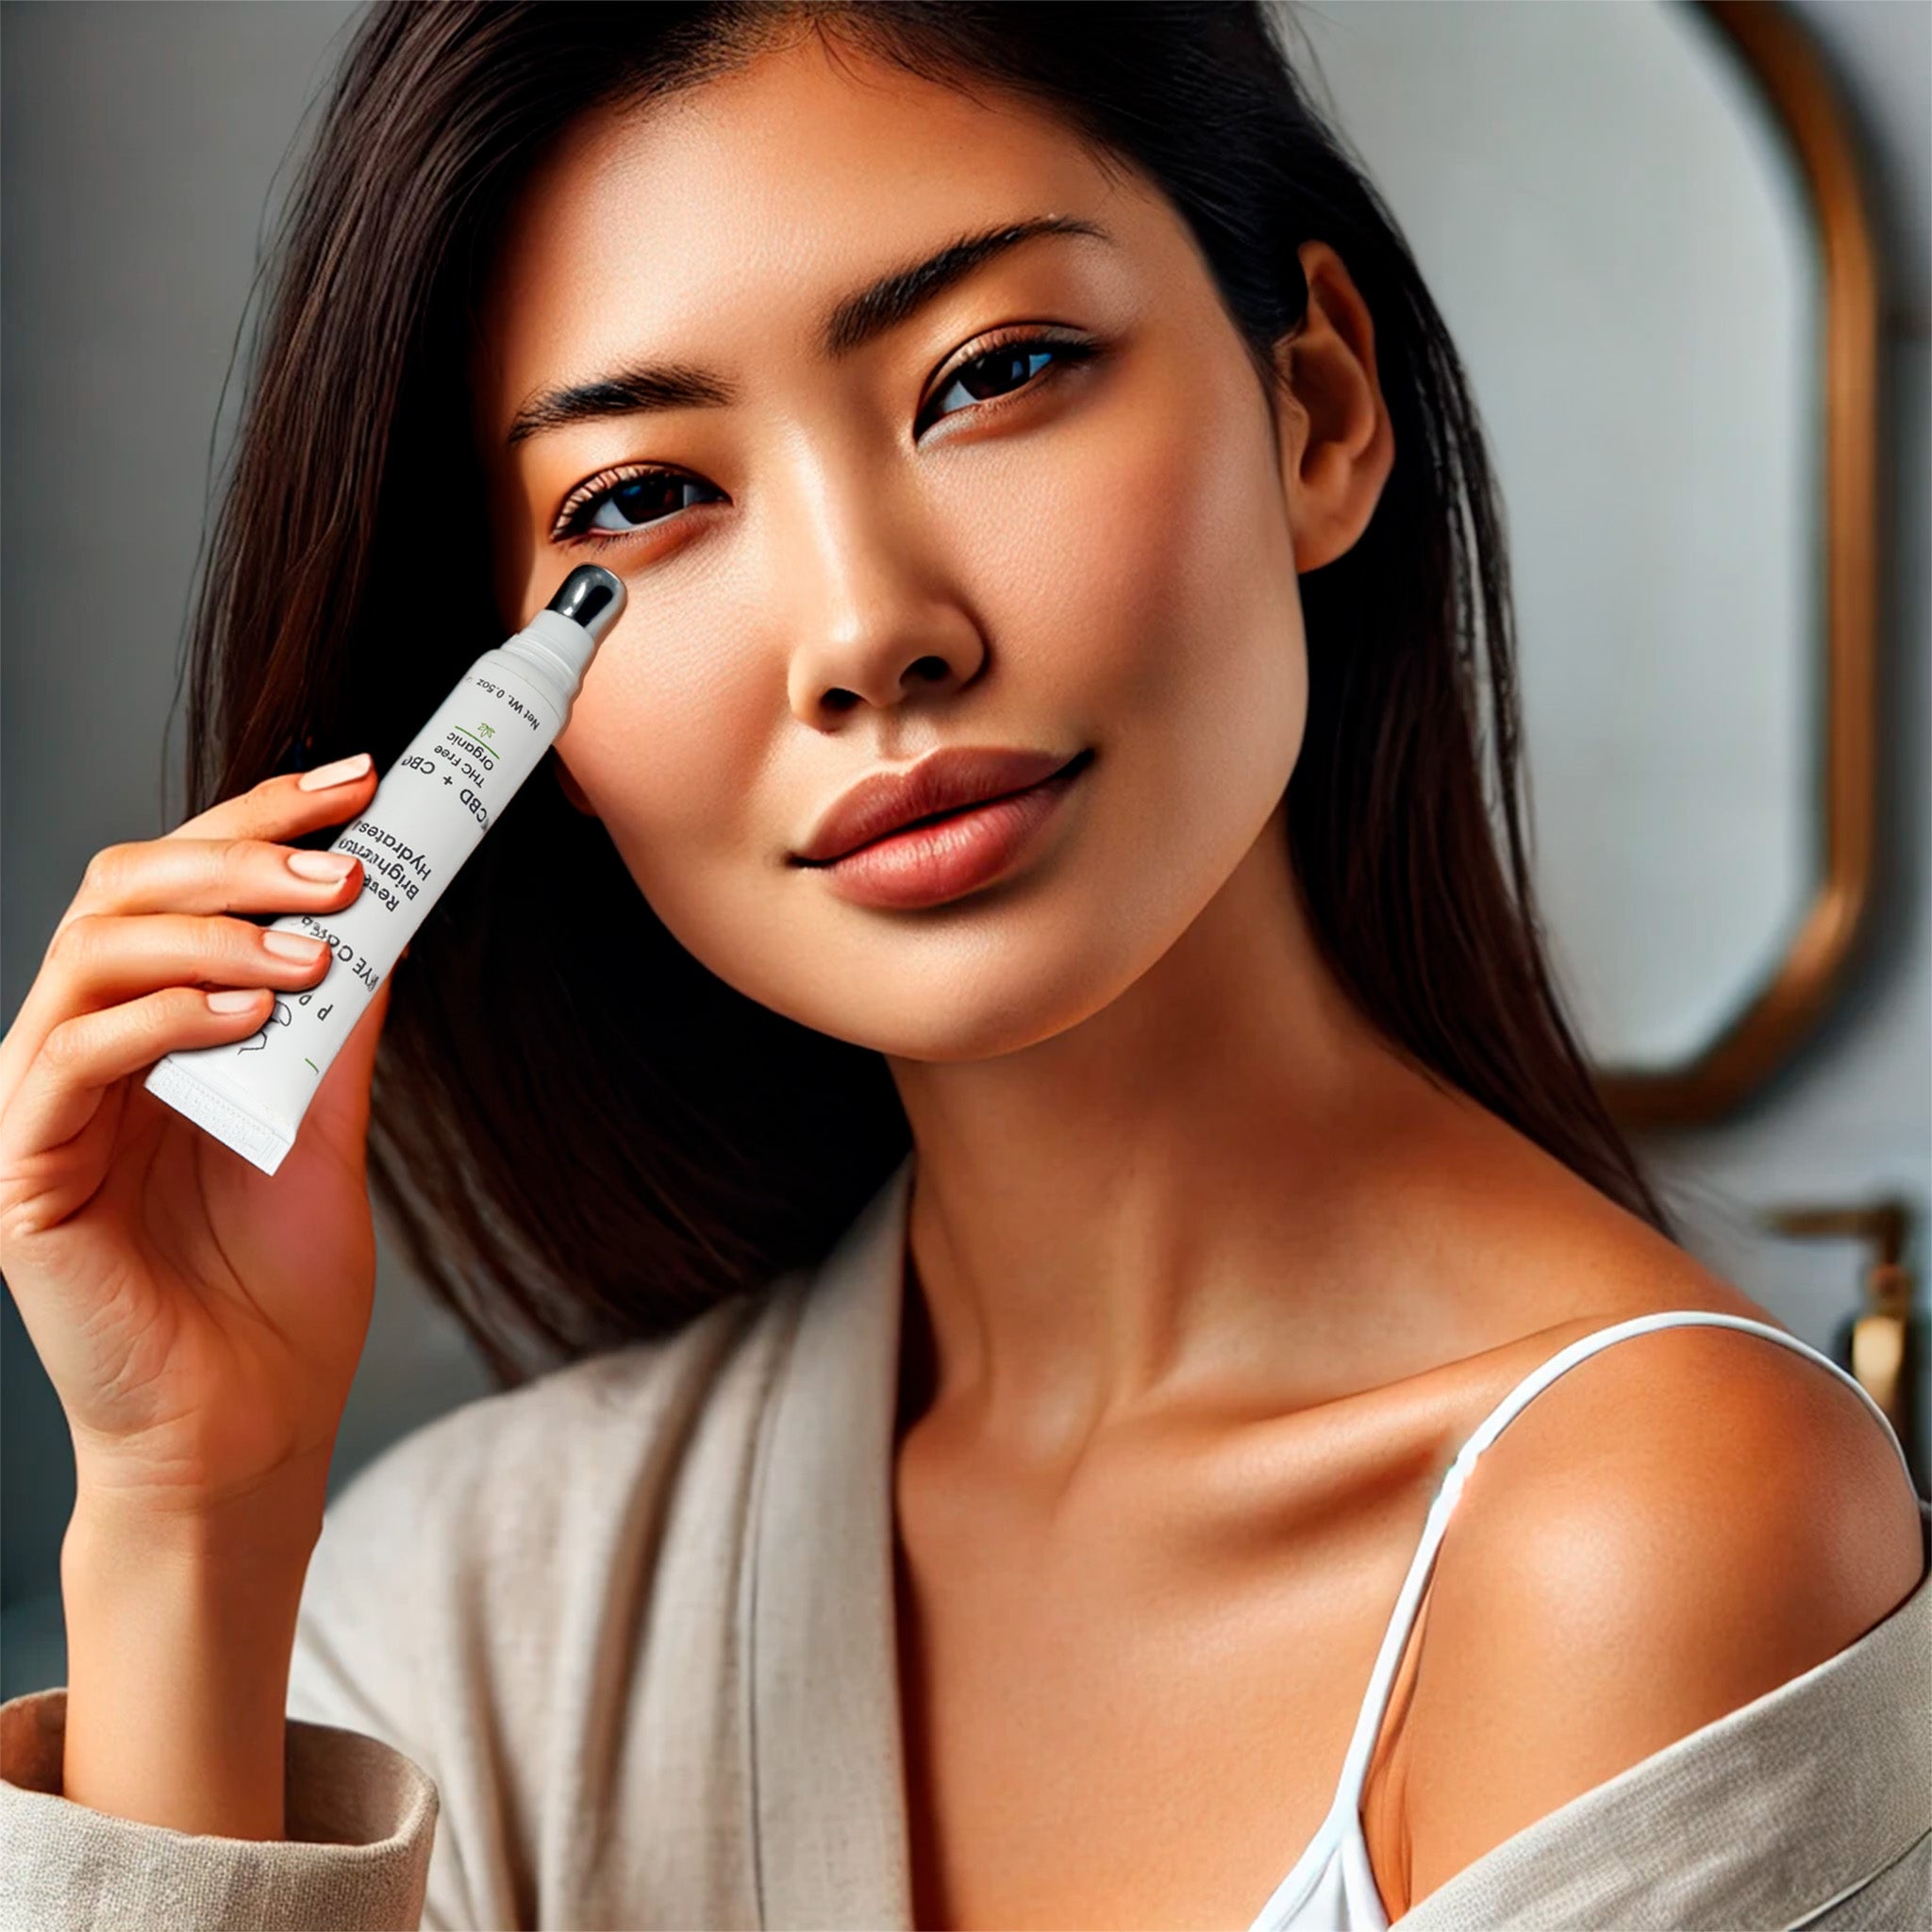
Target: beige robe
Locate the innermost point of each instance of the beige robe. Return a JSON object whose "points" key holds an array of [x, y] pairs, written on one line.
{"points": [[615, 1649]]}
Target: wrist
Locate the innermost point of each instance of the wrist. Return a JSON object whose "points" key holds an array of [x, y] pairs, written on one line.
{"points": [[180, 1627], [275, 1522]]}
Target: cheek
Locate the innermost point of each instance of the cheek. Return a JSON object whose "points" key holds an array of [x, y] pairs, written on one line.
{"points": [[668, 747], [1143, 586], [674, 749]]}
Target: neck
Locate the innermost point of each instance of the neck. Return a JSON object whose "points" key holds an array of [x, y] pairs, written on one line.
{"points": [[1166, 1202]]}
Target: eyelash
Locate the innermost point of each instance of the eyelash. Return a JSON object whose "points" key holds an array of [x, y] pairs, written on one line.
{"points": [[572, 522]]}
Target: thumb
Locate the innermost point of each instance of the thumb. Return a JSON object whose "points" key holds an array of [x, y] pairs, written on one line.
{"points": [[339, 1114]]}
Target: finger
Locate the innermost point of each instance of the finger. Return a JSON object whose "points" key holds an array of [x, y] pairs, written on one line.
{"points": [[85, 1055], [101, 960], [279, 809], [176, 875], [289, 804], [338, 1113]]}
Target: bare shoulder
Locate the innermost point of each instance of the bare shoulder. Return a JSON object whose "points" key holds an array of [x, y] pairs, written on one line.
{"points": [[1678, 1524]]}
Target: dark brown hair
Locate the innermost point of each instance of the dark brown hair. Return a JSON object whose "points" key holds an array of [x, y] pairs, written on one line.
{"points": [[576, 1158]]}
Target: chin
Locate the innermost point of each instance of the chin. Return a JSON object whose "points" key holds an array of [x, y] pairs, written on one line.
{"points": [[966, 997]]}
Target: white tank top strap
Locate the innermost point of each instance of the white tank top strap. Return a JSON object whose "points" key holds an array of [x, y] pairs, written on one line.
{"points": [[1396, 1639]]}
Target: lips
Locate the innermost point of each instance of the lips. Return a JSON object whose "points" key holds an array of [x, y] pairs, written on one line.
{"points": [[946, 780]]}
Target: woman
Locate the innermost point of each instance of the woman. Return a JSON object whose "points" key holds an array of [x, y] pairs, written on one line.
{"points": [[1031, 1291]]}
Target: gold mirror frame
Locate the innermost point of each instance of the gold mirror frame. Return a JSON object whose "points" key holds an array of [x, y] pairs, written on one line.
{"points": [[1778, 53]]}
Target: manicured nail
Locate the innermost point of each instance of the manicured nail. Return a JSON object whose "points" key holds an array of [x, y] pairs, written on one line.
{"points": [[332, 867], [338, 774], [293, 945], [237, 1000]]}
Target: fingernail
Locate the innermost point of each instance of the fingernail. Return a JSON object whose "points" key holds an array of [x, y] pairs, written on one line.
{"points": [[321, 865], [293, 945], [338, 774], [236, 1001]]}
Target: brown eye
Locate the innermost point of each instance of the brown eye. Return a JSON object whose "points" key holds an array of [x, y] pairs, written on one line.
{"points": [[1009, 367], [637, 500]]}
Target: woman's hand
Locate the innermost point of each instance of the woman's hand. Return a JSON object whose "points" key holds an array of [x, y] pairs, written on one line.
{"points": [[201, 1321]]}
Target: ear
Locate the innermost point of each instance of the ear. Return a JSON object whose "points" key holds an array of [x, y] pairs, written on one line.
{"points": [[1335, 443], [572, 791]]}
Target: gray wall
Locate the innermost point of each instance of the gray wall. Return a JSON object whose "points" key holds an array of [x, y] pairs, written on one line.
{"points": [[142, 148]]}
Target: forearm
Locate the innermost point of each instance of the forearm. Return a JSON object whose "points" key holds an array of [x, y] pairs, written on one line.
{"points": [[179, 1635]]}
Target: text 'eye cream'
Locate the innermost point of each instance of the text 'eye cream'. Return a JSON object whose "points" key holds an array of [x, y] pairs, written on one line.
{"points": [[429, 814]]}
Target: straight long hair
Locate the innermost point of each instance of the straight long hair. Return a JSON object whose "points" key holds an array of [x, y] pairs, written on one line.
{"points": [[573, 1158]]}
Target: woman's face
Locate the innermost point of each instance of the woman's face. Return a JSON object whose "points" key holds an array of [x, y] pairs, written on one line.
{"points": [[866, 555]]}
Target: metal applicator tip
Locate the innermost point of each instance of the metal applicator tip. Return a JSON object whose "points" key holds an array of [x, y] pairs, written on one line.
{"points": [[591, 596]]}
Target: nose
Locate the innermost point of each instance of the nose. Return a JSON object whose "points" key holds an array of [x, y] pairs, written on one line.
{"points": [[867, 679], [874, 618]]}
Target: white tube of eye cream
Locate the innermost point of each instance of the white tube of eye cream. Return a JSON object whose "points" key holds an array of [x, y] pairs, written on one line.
{"points": [[429, 814]]}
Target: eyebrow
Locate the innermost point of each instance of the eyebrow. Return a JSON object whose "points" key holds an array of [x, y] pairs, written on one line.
{"points": [[851, 322]]}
